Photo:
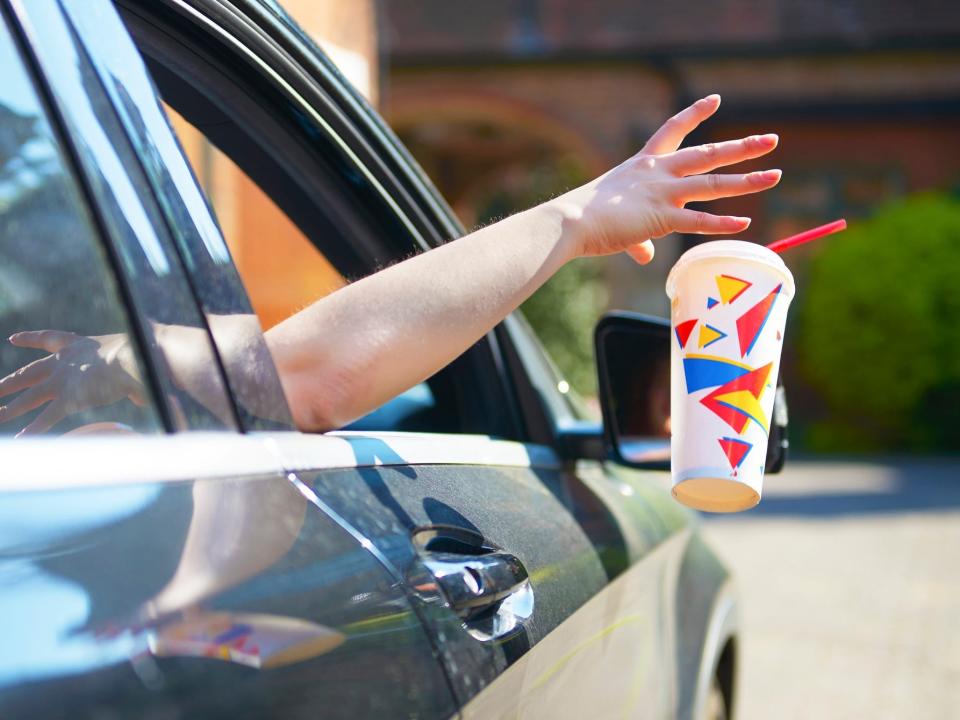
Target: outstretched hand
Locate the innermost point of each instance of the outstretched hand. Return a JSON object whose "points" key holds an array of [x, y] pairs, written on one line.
{"points": [[79, 373], [644, 197]]}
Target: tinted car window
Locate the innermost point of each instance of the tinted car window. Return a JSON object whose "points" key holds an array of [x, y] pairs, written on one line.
{"points": [[85, 373], [243, 355]]}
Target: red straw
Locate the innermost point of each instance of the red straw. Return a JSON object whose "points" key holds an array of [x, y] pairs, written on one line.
{"points": [[778, 246]]}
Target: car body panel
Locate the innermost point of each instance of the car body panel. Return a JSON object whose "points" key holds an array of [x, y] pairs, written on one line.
{"points": [[574, 531], [225, 596]]}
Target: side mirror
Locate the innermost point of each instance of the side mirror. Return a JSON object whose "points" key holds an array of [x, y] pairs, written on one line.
{"points": [[633, 363]]}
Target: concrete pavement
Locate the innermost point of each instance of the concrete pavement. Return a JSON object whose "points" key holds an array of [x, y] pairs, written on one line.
{"points": [[849, 576]]}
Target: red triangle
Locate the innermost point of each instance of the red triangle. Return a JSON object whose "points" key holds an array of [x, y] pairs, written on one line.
{"points": [[754, 382], [683, 331], [735, 450], [752, 321]]}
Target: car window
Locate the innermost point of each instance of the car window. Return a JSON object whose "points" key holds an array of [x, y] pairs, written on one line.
{"points": [[243, 356], [68, 358], [281, 269], [253, 151]]}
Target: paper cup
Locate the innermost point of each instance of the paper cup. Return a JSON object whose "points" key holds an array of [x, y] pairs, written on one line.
{"points": [[729, 303]]}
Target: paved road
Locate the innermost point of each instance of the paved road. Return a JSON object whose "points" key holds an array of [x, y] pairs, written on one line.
{"points": [[849, 575]]}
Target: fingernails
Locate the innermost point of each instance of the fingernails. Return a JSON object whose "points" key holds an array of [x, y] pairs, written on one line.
{"points": [[769, 176], [713, 99], [740, 222], [768, 140]]}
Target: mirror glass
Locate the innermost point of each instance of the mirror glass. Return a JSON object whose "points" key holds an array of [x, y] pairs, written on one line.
{"points": [[633, 354]]}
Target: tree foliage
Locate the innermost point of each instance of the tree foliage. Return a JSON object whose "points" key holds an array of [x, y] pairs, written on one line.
{"points": [[879, 330]]}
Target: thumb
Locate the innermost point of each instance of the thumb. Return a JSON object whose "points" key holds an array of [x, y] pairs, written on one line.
{"points": [[642, 253], [50, 340]]}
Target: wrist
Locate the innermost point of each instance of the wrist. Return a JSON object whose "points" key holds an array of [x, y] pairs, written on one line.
{"points": [[566, 216]]}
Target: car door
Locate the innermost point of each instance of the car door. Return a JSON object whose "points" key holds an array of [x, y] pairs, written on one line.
{"points": [[542, 543], [155, 562]]}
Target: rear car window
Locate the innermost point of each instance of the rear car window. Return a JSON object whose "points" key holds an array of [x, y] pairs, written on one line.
{"points": [[68, 359]]}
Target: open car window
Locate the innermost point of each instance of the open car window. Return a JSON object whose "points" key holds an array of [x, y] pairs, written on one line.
{"points": [[282, 270], [299, 214]]}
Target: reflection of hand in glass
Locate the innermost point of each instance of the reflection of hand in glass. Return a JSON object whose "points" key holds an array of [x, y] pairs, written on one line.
{"points": [[79, 373]]}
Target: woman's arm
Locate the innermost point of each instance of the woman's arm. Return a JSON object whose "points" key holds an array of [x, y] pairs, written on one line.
{"points": [[352, 351]]}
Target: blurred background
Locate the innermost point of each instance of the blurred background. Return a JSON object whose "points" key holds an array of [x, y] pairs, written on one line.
{"points": [[848, 568], [507, 102]]}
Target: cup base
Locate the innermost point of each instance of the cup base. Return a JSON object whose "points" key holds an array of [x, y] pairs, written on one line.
{"points": [[719, 495]]}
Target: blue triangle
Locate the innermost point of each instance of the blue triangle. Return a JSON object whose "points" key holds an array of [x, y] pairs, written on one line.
{"points": [[711, 302]]}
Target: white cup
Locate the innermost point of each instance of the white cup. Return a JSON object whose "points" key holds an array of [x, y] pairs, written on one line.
{"points": [[728, 301]]}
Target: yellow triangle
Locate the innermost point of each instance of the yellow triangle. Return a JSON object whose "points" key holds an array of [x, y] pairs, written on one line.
{"points": [[708, 335], [745, 402], [730, 287]]}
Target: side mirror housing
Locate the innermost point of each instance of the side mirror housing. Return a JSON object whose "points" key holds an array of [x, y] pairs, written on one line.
{"points": [[633, 364]]}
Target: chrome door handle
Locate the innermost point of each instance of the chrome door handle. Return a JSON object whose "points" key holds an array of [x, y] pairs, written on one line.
{"points": [[476, 583]]}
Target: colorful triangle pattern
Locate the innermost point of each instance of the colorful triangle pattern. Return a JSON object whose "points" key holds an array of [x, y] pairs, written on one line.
{"points": [[731, 288], [709, 335], [738, 402], [750, 324], [735, 450], [711, 302], [704, 371], [683, 331]]}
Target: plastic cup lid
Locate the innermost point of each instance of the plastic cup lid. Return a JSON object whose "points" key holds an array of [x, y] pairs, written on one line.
{"points": [[730, 250]]}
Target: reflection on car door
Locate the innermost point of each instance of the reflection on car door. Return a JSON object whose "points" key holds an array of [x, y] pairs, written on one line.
{"points": [[146, 587], [436, 506]]}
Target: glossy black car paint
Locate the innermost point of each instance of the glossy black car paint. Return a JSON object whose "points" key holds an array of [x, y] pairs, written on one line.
{"points": [[100, 576], [577, 526]]}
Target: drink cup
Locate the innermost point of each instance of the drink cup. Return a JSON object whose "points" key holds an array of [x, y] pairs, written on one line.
{"points": [[729, 303]]}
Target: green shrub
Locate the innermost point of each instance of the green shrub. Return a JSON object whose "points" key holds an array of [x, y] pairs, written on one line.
{"points": [[879, 330]]}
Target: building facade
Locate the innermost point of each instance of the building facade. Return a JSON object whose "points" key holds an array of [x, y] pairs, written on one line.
{"points": [[865, 96]]}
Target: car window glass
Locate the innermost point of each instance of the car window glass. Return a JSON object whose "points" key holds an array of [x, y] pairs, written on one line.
{"points": [[184, 364], [82, 372], [243, 355]]}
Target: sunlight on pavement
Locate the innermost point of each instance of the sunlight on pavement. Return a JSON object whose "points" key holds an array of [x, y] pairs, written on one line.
{"points": [[848, 580]]}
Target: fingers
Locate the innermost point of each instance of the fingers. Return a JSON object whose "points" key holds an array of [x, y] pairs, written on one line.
{"points": [[712, 187], [672, 133], [50, 340], [699, 222], [51, 415], [27, 376], [25, 402], [641, 252], [704, 158]]}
